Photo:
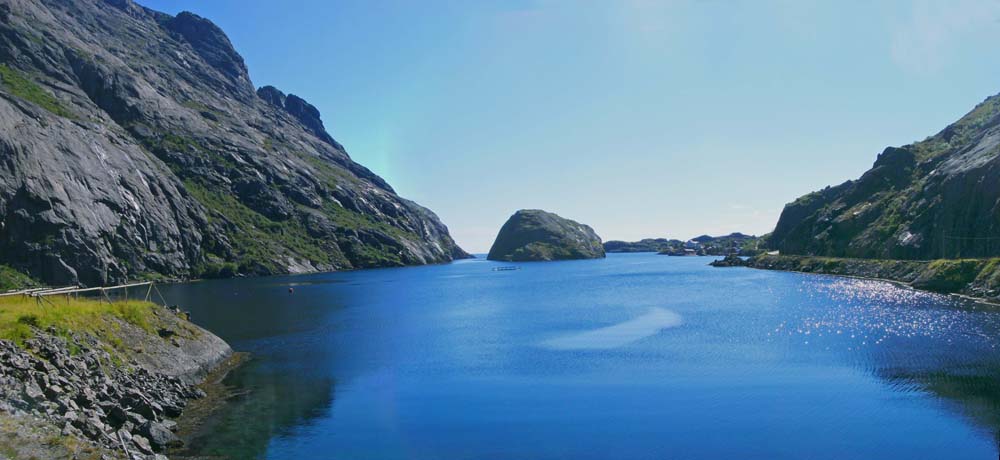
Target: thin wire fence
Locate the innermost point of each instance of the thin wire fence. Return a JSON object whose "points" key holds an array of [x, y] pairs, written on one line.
{"points": [[144, 291]]}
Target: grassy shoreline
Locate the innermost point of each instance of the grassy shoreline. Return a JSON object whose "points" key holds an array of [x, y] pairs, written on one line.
{"points": [[21, 315], [126, 352], [974, 278]]}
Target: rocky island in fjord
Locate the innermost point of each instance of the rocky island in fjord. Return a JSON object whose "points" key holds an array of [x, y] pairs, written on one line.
{"points": [[536, 235]]}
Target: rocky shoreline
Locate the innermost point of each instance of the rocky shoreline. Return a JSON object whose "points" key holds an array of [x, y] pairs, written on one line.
{"points": [[77, 395], [974, 278]]}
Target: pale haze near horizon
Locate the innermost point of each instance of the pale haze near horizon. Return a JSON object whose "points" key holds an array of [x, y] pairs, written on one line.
{"points": [[639, 118]]}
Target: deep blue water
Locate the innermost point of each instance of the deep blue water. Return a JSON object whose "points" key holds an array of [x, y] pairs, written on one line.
{"points": [[637, 356]]}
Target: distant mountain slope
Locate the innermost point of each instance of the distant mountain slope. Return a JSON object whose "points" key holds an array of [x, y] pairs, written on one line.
{"points": [[735, 236], [709, 245], [644, 245], [936, 198], [133, 143]]}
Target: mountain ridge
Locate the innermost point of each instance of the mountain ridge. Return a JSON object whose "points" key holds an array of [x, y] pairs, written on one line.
{"points": [[936, 198], [134, 144]]}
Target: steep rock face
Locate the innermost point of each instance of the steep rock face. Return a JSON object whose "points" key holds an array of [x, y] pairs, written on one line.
{"points": [[133, 143], [536, 235], [303, 111], [937, 198], [211, 43]]}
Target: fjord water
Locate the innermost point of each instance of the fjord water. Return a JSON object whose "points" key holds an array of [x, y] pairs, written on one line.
{"points": [[636, 356]]}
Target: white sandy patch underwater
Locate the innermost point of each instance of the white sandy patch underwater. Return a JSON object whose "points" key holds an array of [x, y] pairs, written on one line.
{"points": [[624, 333]]}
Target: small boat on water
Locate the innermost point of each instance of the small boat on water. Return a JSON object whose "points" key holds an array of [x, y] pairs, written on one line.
{"points": [[506, 268]]}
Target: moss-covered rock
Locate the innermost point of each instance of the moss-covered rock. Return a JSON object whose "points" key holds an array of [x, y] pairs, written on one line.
{"points": [[536, 235]]}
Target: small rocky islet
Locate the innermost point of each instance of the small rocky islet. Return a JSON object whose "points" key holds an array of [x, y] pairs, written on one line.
{"points": [[536, 235]]}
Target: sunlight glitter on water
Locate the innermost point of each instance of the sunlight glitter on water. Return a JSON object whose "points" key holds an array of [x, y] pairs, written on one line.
{"points": [[868, 312]]}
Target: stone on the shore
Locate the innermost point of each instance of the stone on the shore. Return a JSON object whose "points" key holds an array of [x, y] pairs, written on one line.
{"points": [[159, 436], [33, 392], [142, 444]]}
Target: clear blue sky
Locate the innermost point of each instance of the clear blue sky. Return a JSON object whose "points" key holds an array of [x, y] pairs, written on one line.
{"points": [[640, 118]]}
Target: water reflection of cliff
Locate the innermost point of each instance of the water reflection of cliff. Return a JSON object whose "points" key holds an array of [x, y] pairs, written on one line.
{"points": [[267, 403], [301, 344], [913, 341], [973, 392]]}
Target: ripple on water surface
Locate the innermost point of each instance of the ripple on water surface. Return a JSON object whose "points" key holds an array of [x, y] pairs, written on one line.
{"points": [[633, 357], [863, 315]]}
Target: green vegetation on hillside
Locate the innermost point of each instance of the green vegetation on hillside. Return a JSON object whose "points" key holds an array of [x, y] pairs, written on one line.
{"points": [[644, 245], [959, 133], [207, 112], [329, 175], [976, 277], [542, 250], [19, 85], [920, 201], [536, 235], [259, 239], [951, 275], [11, 279], [738, 243]]}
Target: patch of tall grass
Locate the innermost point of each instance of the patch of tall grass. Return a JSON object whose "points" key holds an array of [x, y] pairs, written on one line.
{"points": [[19, 314]]}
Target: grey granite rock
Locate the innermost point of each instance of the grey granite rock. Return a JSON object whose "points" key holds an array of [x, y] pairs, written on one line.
{"points": [[936, 198], [133, 143], [536, 235]]}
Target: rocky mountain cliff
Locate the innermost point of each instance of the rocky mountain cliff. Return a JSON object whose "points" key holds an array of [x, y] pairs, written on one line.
{"points": [[937, 198], [133, 143], [536, 235]]}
